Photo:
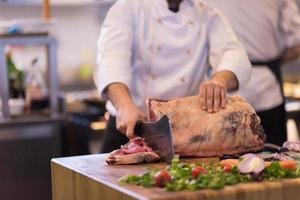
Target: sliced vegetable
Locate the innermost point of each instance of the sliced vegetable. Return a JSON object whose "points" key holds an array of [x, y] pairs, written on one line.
{"points": [[198, 170], [162, 178], [288, 164], [251, 164], [226, 168], [230, 162]]}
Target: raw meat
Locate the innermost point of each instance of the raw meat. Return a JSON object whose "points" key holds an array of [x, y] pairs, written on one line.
{"points": [[292, 145], [135, 151], [275, 156], [235, 129]]}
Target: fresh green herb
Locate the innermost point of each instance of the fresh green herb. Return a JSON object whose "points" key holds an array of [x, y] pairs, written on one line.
{"points": [[275, 171], [145, 180], [208, 175]]}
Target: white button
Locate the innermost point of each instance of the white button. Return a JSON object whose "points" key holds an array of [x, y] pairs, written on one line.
{"points": [[188, 52], [153, 77], [200, 4], [159, 20], [158, 48], [191, 22], [182, 80]]}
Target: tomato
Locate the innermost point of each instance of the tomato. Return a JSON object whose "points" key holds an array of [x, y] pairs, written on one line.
{"points": [[288, 164], [162, 178], [226, 168], [230, 162], [198, 170]]}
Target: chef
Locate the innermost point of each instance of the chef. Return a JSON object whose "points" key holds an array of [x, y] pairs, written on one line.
{"points": [[270, 33], [162, 49]]}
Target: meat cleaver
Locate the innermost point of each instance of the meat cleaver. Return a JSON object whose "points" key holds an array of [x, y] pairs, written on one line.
{"points": [[158, 136]]}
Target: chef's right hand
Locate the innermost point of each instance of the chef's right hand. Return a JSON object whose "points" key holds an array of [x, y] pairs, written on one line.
{"points": [[126, 118]]}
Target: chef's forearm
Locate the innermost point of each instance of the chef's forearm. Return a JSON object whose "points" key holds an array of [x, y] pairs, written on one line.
{"points": [[227, 78], [118, 94], [291, 54]]}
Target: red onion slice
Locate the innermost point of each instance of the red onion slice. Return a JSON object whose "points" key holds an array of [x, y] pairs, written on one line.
{"points": [[251, 163]]}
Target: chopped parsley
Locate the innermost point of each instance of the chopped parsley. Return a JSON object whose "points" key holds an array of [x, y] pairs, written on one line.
{"points": [[213, 177]]}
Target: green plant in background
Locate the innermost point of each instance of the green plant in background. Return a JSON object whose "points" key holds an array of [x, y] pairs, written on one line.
{"points": [[16, 78]]}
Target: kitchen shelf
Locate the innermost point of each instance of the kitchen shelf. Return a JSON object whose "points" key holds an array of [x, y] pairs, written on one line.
{"points": [[29, 119], [30, 39]]}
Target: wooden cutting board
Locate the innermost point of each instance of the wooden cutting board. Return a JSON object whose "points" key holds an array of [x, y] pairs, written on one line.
{"points": [[90, 178]]}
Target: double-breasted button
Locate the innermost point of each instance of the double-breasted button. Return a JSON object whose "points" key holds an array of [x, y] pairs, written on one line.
{"points": [[158, 48], [191, 22], [152, 76]]}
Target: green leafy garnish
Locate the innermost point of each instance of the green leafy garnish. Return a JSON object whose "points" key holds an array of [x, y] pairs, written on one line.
{"points": [[145, 180], [211, 176], [275, 171]]}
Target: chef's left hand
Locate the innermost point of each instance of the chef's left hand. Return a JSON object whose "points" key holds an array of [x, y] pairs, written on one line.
{"points": [[213, 95]]}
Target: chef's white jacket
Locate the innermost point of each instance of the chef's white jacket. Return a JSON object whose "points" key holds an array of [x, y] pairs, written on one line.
{"points": [[265, 28], [162, 54]]}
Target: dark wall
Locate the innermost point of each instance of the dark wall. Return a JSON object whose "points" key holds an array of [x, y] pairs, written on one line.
{"points": [[25, 154]]}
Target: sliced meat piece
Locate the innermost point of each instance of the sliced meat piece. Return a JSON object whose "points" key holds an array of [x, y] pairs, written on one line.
{"points": [[292, 145], [132, 158], [233, 130], [293, 154], [135, 151], [274, 156]]}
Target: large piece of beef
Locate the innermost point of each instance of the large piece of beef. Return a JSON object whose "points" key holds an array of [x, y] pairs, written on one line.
{"points": [[233, 130], [135, 151]]}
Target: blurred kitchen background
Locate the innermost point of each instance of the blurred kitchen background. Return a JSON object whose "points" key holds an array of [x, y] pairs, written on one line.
{"points": [[37, 129], [55, 110]]}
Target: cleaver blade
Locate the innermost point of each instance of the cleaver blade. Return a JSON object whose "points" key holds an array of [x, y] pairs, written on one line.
{"points": [[158, 136]]}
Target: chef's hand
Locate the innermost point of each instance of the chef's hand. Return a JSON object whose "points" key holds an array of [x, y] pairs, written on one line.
{"points": [[213, 92], [212, 96], [128, 113], [126, 118]]}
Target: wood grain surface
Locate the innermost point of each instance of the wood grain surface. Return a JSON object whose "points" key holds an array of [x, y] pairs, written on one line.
{"points": [[90, 178]]}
